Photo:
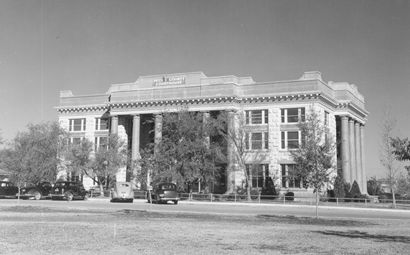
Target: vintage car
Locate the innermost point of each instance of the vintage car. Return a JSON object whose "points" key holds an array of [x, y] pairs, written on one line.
{"points": [[40, 191], [122, 192], [162, 193], [68, 191], [8, 190]]}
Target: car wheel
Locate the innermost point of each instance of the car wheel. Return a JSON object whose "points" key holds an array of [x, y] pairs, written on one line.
{"points": [[68, 196], [176, 202], [131, 200], [36, 194]]}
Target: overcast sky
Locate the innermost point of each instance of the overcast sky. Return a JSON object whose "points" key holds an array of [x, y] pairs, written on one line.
{"points": [[86, 45]]}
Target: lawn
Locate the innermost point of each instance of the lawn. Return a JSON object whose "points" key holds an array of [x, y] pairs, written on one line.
{"points": [[41, 230]]}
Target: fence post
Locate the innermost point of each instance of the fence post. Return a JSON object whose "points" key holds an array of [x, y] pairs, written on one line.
{"points": [[337, 201], [235, 197], [211, 197], [284, 198], [365, 202], [259, 197]]}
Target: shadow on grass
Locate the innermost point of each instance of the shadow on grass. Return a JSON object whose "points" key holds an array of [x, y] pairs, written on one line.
{"points": [[311, 221], [365, 235]]}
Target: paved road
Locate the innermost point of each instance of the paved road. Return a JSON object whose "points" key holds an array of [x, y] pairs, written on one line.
{"points": [[219, 208]]}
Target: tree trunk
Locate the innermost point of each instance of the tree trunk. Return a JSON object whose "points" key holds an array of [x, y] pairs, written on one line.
{"points": [[394, 198], [101, 189], [248, 191], [317, 203]]}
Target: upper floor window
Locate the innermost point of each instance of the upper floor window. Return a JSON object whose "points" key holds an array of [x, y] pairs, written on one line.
{"points": [[289, 177], [292, 115], [258, 173], [257, 141], [256, 117], [290, 139], [77, 124], [101, 124]]}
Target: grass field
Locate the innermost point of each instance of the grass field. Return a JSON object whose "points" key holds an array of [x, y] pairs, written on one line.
{"points": [[40, 230]]}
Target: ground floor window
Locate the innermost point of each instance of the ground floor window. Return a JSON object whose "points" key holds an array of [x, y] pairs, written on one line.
{"points": [[289, 177], [258, 173]]}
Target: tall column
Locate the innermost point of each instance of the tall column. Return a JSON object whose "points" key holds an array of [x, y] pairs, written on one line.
{"points": [[114, 124], [345, 149], [364, 179], [135, 150], [358, 156], [352, 152], [230, 171], [158, 128]]}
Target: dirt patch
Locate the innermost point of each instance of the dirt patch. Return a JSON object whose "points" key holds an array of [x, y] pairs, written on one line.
{"points": [[312, 221]]}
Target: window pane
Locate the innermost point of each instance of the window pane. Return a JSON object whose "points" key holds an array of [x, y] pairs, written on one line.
{"points": [[247, 117], [266, 116], [293, 135], [256, 141], [302, 114], [77, 125], [256, 117], [293, 115], [282, 137]]}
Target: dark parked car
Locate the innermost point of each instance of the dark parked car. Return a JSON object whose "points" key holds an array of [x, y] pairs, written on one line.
{"points": [[164, 192], [8, 190], [122, 192], [37, 192], [68, 191]]}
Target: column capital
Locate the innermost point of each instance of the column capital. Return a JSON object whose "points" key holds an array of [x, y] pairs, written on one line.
{"points": [[344, 117]]}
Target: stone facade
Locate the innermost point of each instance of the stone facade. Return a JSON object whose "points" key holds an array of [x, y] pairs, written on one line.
{"points": [[340, 105]]}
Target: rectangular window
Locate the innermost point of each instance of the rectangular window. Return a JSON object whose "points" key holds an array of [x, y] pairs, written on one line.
{"points": [[292, 115], [289, 176], [100, 142], [293, 139], [258, 173], [290, 139], [101, 124], [77, 124], [255, 117], [257, 141]]}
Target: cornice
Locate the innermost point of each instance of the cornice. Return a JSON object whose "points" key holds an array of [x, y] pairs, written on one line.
{"points": [[82, 108], [212, 100]]}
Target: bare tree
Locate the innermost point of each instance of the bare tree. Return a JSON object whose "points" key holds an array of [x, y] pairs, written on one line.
{"points": [[387, 155], [315, 156], [233, 128]]}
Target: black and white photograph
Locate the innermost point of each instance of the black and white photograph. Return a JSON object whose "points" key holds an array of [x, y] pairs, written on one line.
{"points": [[204, 127]]}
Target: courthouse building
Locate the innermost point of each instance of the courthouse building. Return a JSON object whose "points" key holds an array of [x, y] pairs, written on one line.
{"points": [[272, 111]]}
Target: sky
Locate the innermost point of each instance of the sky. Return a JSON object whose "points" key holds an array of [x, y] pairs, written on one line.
{"points": [[86, 45]]}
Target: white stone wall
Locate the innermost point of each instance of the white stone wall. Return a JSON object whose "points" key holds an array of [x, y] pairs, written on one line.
{"points": [[277, 156]]}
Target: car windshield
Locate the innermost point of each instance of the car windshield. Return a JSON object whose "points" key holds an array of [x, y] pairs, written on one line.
{"points": [[60, 184], [168, 186]]}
